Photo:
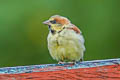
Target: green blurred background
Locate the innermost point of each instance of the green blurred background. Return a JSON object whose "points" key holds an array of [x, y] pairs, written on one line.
{"points": [[23, 36]]}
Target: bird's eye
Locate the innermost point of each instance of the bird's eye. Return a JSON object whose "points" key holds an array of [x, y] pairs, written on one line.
{"points": [[53, 21]]}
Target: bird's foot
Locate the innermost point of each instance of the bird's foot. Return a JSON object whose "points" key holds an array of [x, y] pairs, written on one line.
{"points": [[60, 62], [71, 63]]}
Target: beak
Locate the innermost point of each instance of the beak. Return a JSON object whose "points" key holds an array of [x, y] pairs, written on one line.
{"points": [[46, 22]]}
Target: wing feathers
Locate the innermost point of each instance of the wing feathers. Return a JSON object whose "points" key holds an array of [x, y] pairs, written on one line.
{"points": [[74, 28]]}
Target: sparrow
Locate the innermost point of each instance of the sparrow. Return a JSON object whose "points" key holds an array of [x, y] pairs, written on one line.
{"points": [[65, 40]]}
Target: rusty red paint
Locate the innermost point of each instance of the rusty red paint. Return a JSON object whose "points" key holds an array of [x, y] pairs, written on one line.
{"points": [[111, 72]]}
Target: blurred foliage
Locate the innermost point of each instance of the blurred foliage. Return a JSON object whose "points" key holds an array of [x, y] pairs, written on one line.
{"points": [[23, 36]]}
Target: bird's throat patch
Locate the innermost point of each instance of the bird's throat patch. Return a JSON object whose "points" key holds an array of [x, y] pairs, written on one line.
{"points": [[52, 31]]}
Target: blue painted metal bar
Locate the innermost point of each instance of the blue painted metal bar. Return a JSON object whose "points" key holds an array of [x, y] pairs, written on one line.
{"points": [[55, 67]]}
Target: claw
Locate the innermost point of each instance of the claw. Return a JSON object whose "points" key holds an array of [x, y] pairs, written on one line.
{"points": [[60, 62]]}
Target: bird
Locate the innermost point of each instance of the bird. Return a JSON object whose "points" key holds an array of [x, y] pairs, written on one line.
{"points": [[65, 40]]}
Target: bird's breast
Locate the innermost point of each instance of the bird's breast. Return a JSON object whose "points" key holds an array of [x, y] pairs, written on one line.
{"points": [[65, 45], [64, 38]]}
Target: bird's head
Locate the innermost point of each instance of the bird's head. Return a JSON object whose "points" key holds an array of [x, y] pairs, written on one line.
{"points": [[56, 23]]}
